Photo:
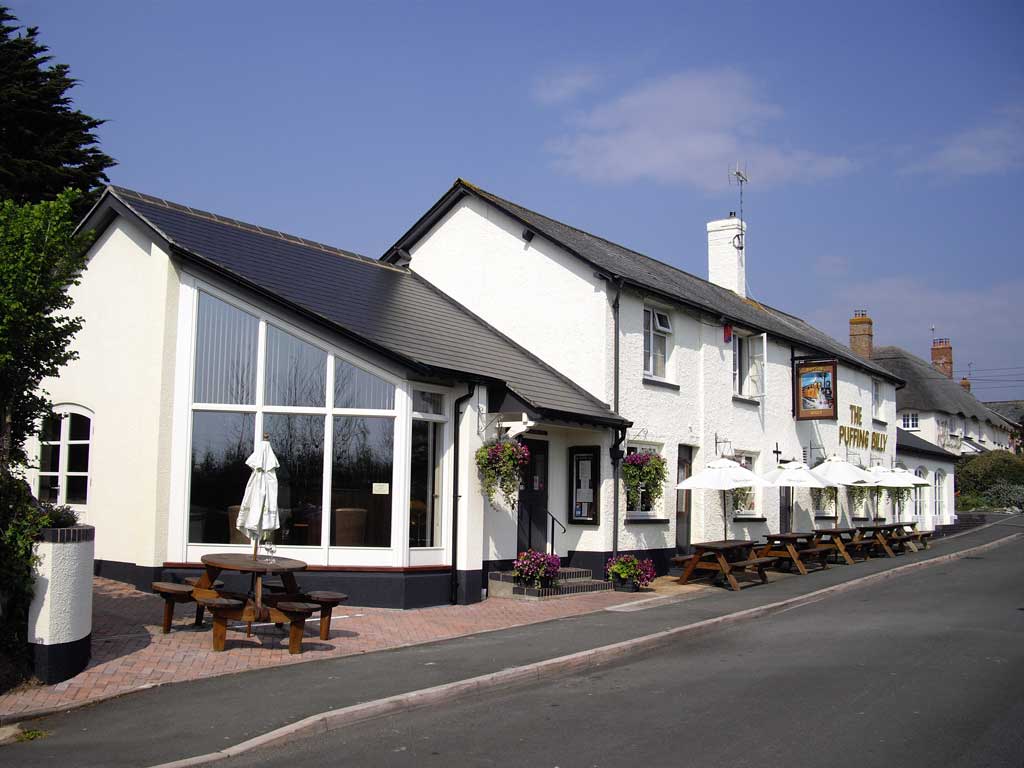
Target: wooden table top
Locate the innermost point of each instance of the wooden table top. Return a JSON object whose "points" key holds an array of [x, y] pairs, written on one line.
{"points": [[791, 536], [724, 545], [243, 562], [835, 531], [880, 527]]}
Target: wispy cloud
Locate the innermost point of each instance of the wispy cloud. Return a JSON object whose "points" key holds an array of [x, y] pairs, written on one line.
{"points": [[687, 128], [562, 87], [994, 146]]}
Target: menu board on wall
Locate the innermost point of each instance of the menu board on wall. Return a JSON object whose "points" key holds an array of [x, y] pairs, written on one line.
{"points": [[584, 488]]}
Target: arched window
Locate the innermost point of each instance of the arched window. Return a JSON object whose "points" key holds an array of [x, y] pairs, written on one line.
{"points": [[64, 443], [940, 497], [922, 473]]}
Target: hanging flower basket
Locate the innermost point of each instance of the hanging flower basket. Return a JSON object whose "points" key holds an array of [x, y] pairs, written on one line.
{"points": [[643, 472], [501, 469]]}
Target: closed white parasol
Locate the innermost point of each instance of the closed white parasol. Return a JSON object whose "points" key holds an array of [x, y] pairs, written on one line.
{"points": [[258, 513]]}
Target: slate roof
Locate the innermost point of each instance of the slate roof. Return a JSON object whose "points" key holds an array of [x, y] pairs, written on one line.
{"points": [[389, 308], [908, 442], [929, 390], [1008, 409], [650, 275]]}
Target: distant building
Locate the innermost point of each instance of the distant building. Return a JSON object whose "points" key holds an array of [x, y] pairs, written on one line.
{"points": [[1013, 411]]}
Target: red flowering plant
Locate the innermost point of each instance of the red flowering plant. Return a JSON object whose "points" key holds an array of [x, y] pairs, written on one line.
{"points": [[643, 472], [630, 568], [501, 469], [534, 569]]}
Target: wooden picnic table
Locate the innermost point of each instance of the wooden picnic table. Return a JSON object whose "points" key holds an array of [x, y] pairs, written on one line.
{"points": [[725, 558], [881, 533], [795, 547], [285, 607], [839, 540]]}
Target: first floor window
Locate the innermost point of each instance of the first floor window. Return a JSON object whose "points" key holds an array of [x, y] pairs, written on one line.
{"points": [[876, 398], [64, 456], [910, 420], [657, 329], [748, 354]]}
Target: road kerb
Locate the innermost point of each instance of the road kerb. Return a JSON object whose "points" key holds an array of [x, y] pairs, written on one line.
{"points": [[594, 657]]}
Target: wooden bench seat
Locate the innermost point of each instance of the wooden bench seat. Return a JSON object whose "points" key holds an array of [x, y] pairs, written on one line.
{"points": [[327, 601], [172, 594], [297, 613], [754, 561]]}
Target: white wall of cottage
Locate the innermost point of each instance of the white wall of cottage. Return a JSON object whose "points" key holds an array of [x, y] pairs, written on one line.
{"points": [[551, 303]]}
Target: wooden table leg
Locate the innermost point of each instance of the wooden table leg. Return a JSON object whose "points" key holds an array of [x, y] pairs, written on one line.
{"points": [[691, 567], [727, 571], [884, 544], [220, 631], [841, 549], [168, 615], [795, 557], [295, 632]]}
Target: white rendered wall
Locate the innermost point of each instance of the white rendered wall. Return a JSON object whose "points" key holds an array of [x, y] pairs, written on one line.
{"points": [[61, 610], [535, 293], [124, 374]]}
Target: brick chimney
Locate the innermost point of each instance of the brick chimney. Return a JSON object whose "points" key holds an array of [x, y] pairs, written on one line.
{"points": [[862, 334], [727, 254], [942, 357], [965, 383]]}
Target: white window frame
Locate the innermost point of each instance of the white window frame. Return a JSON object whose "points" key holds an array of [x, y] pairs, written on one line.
{"points": [[654, 328], [745, 362], [657, 510], [398, 553], [444, 419], [64, 411], [742, 458], [911, 420]]}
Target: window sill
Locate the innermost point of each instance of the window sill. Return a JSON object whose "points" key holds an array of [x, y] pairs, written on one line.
{"points": [[879, 422], [655, 382], [583, 522], [746, 400], [748, 519], [647, 520], [825, 517]]}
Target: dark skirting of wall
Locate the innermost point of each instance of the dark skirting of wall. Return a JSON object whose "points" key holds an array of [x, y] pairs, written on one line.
{"points": [[61, 661], [373, 589], [470, 588], [139, 576], [596, 561]]}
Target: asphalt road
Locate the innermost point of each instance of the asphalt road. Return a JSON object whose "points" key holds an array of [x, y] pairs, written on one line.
{"points": [[923, 670]]}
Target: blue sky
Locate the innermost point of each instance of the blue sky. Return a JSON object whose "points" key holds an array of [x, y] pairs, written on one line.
{"points": [[884, 141]]}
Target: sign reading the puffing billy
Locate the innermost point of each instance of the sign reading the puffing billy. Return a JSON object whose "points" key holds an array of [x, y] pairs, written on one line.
{"points": [[855, 436]]}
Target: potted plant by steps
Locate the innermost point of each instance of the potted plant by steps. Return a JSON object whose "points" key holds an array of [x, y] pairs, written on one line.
{"points": [[628, 573], [501, 469], [536, 569]]}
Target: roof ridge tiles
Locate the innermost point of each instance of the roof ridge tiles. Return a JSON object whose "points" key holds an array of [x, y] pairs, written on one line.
{"points": [[250, 227]]}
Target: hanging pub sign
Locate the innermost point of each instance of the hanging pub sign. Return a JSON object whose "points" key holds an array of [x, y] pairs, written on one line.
{"points": [[815, 384]]}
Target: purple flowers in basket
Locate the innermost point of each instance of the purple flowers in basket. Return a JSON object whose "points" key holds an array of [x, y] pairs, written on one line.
{"points": [[536, 569], [629, 568], [639, 459]]}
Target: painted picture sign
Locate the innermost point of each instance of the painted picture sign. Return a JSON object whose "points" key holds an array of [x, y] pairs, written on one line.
{"points": [[815, 394]]}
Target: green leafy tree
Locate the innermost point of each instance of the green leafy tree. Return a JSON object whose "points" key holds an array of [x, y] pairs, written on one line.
{"points": [[41, 257], [46, 146]]}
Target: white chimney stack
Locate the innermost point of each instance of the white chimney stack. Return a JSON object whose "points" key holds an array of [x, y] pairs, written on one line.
{"points": [[726, 254]]}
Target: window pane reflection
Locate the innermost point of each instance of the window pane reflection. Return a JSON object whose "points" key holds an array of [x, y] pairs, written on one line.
{"points": [[298, 443], [425, 489], [77, 490], [225, 354], [296, 371], [78, 429], [49, 458], [221, 442], [356, 388], [49, 486], [78, 457], [361, 470]]}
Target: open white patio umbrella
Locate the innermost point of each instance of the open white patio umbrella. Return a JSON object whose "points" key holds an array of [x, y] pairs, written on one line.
{"points": [[723, 475], [258, 513], [796, 474], [838, 471], [893, 478]]}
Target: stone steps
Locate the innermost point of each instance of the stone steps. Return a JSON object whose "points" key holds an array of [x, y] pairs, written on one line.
{"points": [[571, 581]]}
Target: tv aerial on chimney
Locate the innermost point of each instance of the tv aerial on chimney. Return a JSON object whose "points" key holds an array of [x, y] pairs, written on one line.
{"points": [[739, 177]]}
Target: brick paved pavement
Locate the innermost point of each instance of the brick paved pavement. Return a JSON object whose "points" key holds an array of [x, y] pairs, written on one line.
{"points": [[129, 652]]}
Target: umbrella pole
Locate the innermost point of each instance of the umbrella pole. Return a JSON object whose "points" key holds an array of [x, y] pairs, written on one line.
{"points": [[725, 516]]}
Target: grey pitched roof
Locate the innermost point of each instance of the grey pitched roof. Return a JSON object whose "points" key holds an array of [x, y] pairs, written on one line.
{"points": [[929, 390], [391, 309], [908, 442], [1008, 409], [648, 274]]}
